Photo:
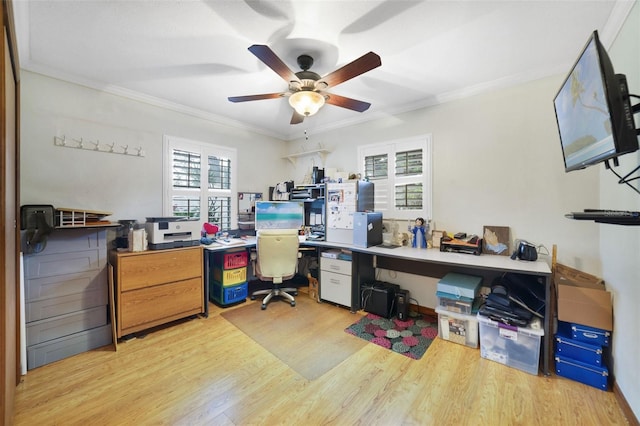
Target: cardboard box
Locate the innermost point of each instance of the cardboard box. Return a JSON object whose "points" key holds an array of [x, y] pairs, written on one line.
{"points": [[584, 302]]}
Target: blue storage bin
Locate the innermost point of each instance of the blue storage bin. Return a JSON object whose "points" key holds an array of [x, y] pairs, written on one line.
{"points": [[595, 336], [582, 372], [227, 295], [578, 350]]}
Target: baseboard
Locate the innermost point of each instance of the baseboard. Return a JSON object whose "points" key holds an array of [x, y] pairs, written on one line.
{"points": [[423, 310], [624, 405]]}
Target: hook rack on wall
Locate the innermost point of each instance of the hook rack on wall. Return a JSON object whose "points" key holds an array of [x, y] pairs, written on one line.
{"points": [[98, 146]]}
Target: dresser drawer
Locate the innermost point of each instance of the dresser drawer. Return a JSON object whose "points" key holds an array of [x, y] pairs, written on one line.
{"points": [[146, 307], [335, 265], [335, 288], [149, 268]]}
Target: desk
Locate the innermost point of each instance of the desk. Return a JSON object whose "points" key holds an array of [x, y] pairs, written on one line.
{"points": [[434, 263]]}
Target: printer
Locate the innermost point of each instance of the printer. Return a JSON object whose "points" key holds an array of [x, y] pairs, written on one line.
{"points": [[172, 232]]}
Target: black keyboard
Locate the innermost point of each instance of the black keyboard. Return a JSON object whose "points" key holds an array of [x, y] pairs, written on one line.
{"points": [[622, 217]]}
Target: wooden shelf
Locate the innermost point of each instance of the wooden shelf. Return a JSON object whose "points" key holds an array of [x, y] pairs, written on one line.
{"points": [[321, 152]]}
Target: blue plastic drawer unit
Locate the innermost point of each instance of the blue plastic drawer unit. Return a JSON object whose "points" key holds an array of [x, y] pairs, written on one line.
{"points": [[595, 336], [228, 295], [582, 372]]}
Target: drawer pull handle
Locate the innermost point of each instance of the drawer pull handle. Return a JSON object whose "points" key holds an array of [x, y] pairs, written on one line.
{"points": [[590, 335]]}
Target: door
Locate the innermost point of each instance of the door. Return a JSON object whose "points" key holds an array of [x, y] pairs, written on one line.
{"points": [[9, 196]]}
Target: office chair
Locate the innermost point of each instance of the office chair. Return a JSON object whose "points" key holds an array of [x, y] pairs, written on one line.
{"points": [[276, 260]]}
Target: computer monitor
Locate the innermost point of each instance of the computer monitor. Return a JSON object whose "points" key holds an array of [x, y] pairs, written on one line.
{"points": [[279, 215], [593, 110]]}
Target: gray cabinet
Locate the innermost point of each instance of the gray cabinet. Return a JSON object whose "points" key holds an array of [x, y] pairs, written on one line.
{"points": [[66, 296]]}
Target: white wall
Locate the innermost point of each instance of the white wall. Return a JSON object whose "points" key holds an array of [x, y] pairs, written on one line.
{"points": [[620, 245], [129, 187], [496, 161]]}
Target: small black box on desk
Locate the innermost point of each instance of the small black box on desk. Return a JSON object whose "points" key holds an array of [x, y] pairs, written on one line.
{"points": [[379, 298]]}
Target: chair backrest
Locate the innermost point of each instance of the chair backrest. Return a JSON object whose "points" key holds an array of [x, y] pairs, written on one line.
{"points": [[277, 254]]}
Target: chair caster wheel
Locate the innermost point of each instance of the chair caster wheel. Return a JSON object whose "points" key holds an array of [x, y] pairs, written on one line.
{"points": [[263, 307], [253, 298], [295, 293], [293, 304]]}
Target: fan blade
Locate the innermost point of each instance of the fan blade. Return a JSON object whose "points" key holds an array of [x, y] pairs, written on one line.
{"points": [[348, 103], [353, 69], [266, 55], [255, 97], [296, 118]]}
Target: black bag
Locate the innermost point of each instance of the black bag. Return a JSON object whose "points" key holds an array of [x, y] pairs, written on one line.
{"points": [[515, 299]]}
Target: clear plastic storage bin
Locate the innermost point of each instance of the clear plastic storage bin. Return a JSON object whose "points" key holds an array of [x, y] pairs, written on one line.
{"points": [[458, 328], [515, 347]]}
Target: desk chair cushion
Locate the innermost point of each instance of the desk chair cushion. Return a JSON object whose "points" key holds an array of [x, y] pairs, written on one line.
{"points": [[277, 254]]}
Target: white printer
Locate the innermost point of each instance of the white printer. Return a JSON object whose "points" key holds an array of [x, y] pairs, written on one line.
{"points": [[172, 232]]}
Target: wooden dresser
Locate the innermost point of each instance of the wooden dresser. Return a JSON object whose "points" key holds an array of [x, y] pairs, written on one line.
{"points": [[157, 286]]}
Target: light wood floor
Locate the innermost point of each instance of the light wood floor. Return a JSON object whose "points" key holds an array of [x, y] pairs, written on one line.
{"points": [[207, 372]]}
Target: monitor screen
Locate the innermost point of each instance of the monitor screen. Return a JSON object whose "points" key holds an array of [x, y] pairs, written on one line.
{"points": [[593, 111], [279, 215]]}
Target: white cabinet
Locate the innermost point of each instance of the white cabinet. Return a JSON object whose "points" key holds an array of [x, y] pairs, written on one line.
{"points": [[335, 281]]}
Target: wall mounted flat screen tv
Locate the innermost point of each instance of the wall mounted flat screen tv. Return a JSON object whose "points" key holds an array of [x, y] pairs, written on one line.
{"points": [[279, 215], [593, 110]]}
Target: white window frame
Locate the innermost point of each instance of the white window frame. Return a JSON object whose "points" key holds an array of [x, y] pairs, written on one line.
{"points": [[205, 150], [390, 149]]}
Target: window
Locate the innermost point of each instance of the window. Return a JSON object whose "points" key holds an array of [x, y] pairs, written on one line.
{"points": [[401, 173], [200, 182]]}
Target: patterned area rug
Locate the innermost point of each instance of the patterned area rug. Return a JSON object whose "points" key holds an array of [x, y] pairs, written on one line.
{"points": [[410, 338]]}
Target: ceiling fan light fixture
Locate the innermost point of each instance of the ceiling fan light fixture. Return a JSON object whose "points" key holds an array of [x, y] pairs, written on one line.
{"points": [[306, 102]]}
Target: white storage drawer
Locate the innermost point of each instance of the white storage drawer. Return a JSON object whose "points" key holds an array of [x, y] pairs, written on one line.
{"points": [[48, 308], [65, 263], [54, 350], [70, 240], [335, 265], [64, 325], [335, 288], [48, 287]]}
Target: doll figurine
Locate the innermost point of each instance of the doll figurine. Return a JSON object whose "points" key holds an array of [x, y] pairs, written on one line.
{"points": [[419, 234]]}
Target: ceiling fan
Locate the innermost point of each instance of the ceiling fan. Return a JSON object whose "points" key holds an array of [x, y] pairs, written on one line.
{"points": [[306, 88]]}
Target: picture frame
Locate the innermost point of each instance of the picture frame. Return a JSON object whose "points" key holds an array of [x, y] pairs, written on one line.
{"points": [[496, 240]]}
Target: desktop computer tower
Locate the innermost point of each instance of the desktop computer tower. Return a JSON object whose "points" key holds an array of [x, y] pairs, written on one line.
{"points": [[402, 304], [367, 229], [379, 298]]}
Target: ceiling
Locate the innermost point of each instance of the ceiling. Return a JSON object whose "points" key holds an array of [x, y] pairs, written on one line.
{"points": [[190, 55]]}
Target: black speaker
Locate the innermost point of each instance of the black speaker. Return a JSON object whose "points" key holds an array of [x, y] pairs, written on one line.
{"points": [[402, 304]]}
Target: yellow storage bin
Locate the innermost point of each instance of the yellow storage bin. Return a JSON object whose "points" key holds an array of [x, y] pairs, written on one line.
{"points": [[229, 277]]}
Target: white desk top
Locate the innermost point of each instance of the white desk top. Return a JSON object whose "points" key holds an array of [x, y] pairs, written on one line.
{"points": [[485, 261]]}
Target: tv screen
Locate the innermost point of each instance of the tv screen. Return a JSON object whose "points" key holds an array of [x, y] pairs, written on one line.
{"points": [[279, 214], [593, 110]]}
